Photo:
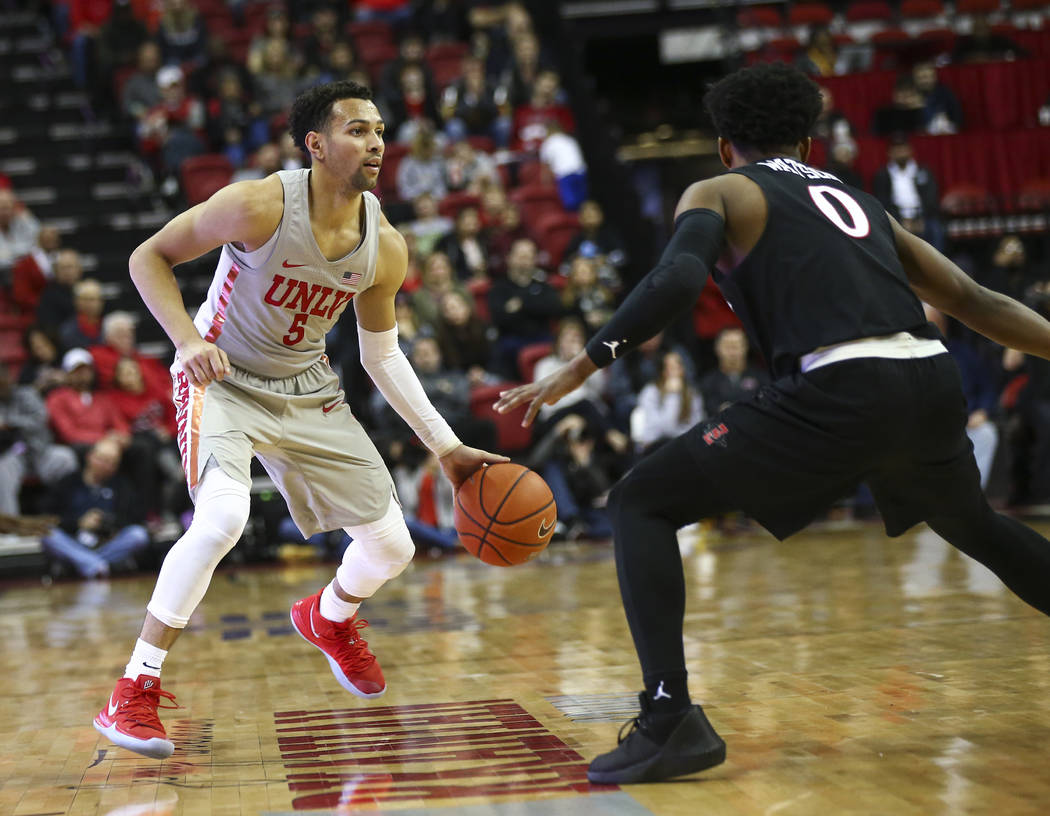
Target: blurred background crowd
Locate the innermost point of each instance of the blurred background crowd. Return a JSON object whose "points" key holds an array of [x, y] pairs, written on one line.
{"points": [[506, 168]]}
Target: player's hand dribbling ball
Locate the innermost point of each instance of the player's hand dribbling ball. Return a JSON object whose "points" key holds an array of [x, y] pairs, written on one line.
{"points": [[505, 514]]}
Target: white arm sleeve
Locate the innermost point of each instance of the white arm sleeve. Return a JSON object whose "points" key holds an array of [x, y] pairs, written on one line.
{"points": [[390, 370]]}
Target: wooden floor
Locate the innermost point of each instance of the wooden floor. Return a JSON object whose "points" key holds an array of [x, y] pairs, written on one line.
{"points": [[847, 673]]}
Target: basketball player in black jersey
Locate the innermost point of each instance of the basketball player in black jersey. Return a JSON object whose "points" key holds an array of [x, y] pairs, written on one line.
{"points": [[828, 286]]}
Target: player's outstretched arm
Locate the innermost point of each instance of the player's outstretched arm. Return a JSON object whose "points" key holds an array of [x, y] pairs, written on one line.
{"points": [[944, 285], [247, 212], [386, 364]]}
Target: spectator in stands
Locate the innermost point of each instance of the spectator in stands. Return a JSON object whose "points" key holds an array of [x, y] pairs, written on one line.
{"points": [[1043, 114], [909, 192], [1010, 272], [832, 125], [493, 204], [85, 21], [291, 155], [522, 306], [264, 162], [469, 106], [152, 461], [235, 122], [524, 71], [276, 81], [562, 154], [423, 169], [429, 226], [119, 40], [821, 55], [141, 93], [1030, 419], [18, 232], [585, 296], [567, 456], [26, 446], [172, 131], [585, 401], [532, 120], [42, 368], [84, 328], [32, 271], [734, 380], [904, 114], [464, 339], [427, 501], [339, 63], [667, 407], [204, 79], [182, 34], [99, 529], [413, 108], [941, 111], [980, 381], [118, 343], [439, 278], [464, 247], [276, 28], [80, 416], [56, 301], [411, 51], [320, 43], [842, 163], [502, 233], [469, 169], [629, 375], [597, 239], [984, 45]]}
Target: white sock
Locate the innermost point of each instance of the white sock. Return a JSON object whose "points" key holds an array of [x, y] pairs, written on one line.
{"points": [[334, 608], [146, 659]]}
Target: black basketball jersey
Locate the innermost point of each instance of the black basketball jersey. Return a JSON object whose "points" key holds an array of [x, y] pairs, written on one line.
{"points": [[824, 271]]}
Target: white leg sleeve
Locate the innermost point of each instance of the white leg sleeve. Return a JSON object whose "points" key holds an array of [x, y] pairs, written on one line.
{"points": [[379, 551], [218, 521]]}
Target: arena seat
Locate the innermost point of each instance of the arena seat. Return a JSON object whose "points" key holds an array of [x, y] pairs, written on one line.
{"points": [[554, 231], [1034, 196], [479, 290], [810, 14], [512, 438], [203, 175], [529, 356], [921, 9], [976, 6], [366, 32], [534, 172], [968, 199], [535, 201], [760, 17], [865, 10], [452, 203]]}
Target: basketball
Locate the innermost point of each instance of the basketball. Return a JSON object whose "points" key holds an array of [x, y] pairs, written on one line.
{"points": [[505, 514]]}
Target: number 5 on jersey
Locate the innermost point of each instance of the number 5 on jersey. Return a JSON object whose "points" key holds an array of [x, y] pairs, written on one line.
{"points": [[822, 195], [296, 331]]}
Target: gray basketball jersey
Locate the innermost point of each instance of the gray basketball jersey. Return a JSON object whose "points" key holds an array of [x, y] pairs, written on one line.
{"points": [[270, 309]]}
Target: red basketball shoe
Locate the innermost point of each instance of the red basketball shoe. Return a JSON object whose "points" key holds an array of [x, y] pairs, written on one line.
{"points": [[353, 665], [130, 718]]}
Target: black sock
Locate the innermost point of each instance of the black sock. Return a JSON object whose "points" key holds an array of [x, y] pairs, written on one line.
{"points": [[668, 694]]}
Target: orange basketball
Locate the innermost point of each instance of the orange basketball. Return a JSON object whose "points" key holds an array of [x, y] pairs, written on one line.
{"points": [[505, 514]]}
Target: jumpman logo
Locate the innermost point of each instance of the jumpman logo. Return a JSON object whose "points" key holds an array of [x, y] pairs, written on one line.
{"points": [[613, 345], [660, 693]]}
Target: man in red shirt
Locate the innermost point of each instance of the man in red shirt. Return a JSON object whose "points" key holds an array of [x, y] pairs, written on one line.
{"points": [[79, 415], [118, 341]]}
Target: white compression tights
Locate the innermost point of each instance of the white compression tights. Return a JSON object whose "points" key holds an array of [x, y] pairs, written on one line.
{"points": [[379, 551], [218, 520]]}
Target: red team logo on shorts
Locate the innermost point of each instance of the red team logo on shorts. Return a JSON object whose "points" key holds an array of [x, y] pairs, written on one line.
{"points": [[716, 434]]}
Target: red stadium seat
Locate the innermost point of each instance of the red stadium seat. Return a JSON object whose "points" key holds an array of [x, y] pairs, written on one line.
{"points": [[367, 32], [891, 38], [482, 143], [534, 201], [1028, 5], [512, 438], [921, 9], [452, 203], [393, 153], [760, 17], [869, 10], [445, 50], [534, 172], [1034, 195], [529, 356], [479, 289], [810, 14], [445, 70], [976, 6], [203, 175], [967, 199], [554, 232]]}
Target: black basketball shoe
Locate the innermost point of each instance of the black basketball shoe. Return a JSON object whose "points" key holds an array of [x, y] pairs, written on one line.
{"points": [[659, 747]]}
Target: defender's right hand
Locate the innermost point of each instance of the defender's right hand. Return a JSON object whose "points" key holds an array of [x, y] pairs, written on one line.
{"points": [[203, 361]]}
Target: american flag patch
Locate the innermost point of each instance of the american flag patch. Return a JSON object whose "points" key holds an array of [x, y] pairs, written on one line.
{"points": [[351, 278]]}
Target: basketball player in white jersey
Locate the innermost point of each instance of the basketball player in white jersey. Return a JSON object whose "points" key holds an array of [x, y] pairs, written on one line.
{"points": [[251, 378]]}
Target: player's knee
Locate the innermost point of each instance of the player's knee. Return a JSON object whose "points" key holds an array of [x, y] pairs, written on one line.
{"points": [[222, 508], [386, 541], [623, 497]]}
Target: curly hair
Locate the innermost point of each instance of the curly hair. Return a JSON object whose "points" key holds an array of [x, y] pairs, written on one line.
{"points": [[312, 109], [764, 107]]}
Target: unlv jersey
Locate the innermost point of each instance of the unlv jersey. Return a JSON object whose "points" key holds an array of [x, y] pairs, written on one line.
{"points": [[270, 309], [824, 271]]}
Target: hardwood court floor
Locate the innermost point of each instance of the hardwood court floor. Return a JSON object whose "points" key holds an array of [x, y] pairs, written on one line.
{"points": [[848, 674]]}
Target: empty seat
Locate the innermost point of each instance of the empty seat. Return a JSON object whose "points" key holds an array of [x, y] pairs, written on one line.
{"points": [[810, 14], [203, 175], [452, 203], [554, 231], [512, 437], [967, 199], [869, 10], [1034, 195], [534, 201], [529, 356]]}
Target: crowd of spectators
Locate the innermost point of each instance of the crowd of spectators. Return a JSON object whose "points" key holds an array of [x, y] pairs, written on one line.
{"points": [[87, 425]]}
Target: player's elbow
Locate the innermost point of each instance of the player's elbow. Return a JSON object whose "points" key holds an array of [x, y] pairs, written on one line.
{"points": [[681, 280]]}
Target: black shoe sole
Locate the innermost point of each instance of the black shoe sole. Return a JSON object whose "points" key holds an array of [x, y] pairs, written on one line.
{"points": [[660, 768]]}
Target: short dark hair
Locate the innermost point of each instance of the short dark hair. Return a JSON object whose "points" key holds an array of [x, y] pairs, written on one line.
{"points": [[313, 108], [764, 107]]}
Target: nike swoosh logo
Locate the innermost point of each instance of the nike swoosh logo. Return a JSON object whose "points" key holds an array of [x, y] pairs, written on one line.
{"points": [[545, 528], [287, 265], [148, 666], [113, 707], [332, 407]]}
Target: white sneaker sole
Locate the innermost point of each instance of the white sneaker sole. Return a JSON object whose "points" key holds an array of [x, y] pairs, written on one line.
{"points": [[341, 678], [154, 748]]}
